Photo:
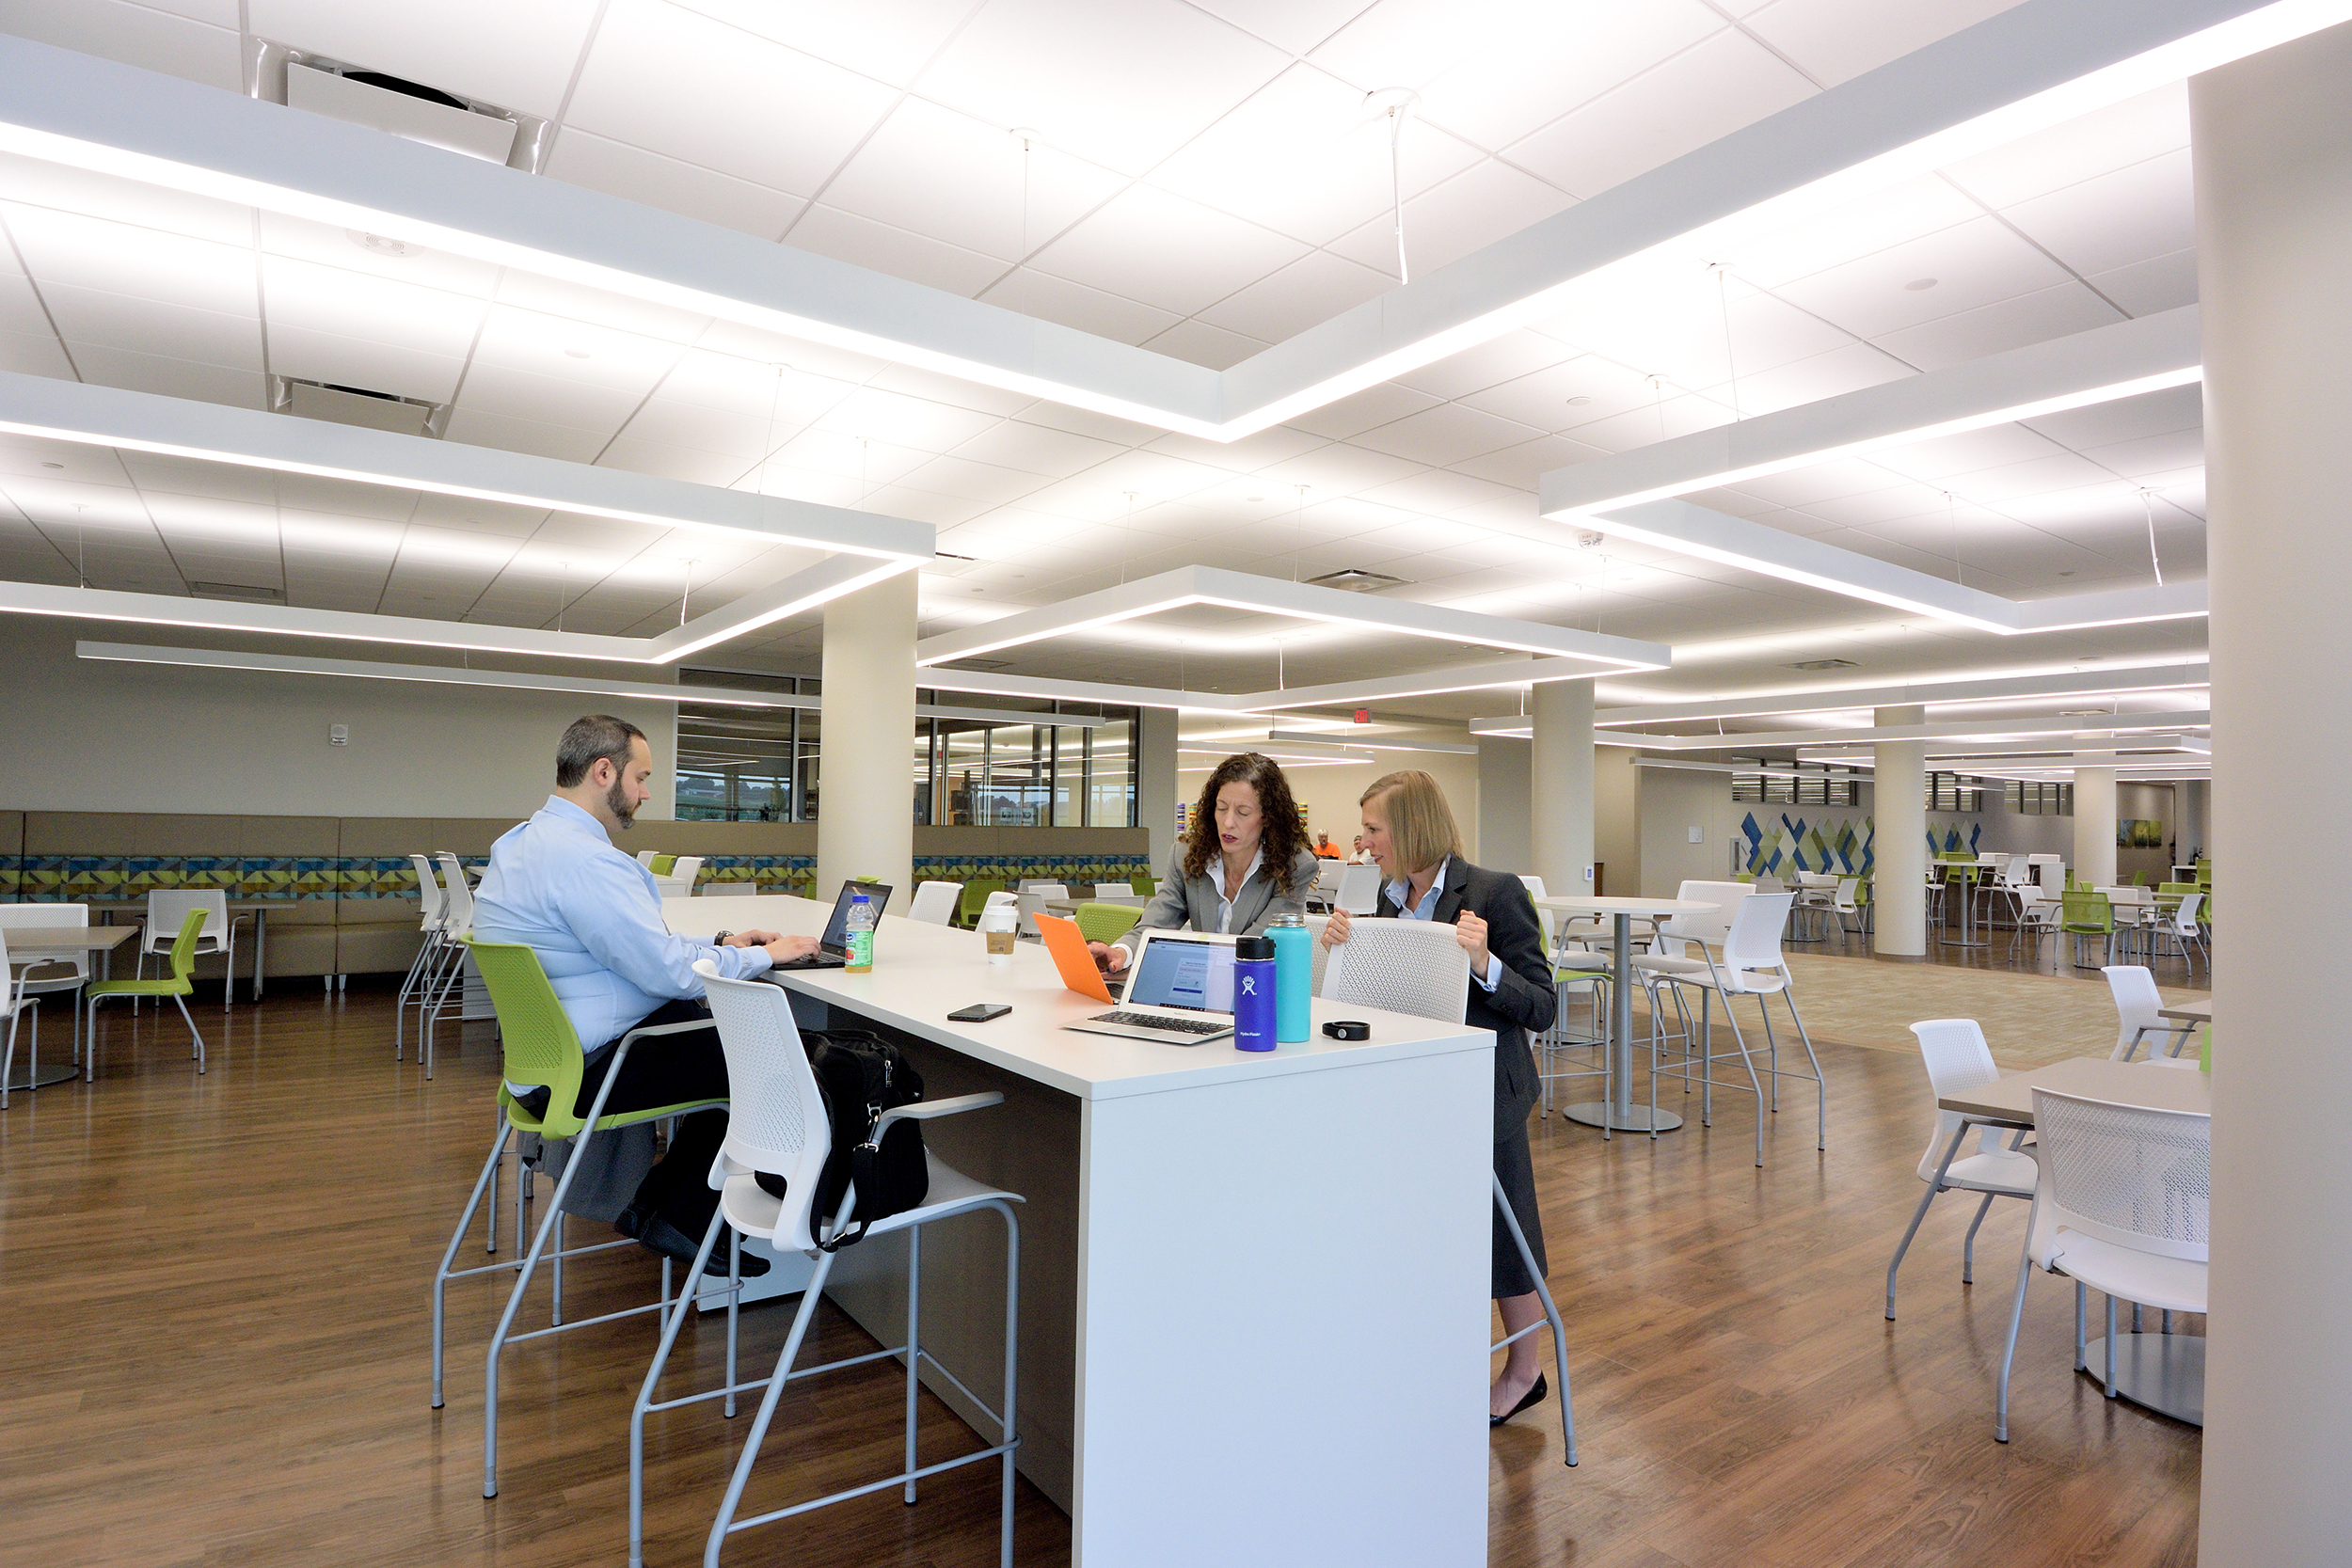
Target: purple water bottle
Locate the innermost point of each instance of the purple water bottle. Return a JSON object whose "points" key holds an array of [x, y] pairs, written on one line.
{"points": [[1253, 995]]}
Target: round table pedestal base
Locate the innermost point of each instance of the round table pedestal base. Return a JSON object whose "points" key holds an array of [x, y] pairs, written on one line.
{"points": [[1634, 1119], [2164, 1371], [23, 1077]]}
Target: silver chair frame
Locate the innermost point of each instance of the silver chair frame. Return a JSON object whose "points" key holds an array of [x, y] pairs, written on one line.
{"points": [[1551, 1316]]}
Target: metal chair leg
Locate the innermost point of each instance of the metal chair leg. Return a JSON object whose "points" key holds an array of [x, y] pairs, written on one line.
{"points": [[2009, 1352], [440, 1275], [1551, 1316], [1920, 1213], [1968, 1246], [758, 1434], [197, 1050]]}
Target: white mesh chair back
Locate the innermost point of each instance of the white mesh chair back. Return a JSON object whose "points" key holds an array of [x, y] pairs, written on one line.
{"points": [[1752, 943], [1328, 879], [428, 893], [458, 921], [1711, 927], [2128, 1175], [2137, 1000], [1315, 922], [1401, 966], [935, 902], [168, 910], [775, 1114], [1957, 1060], [1360, 889], [50, 917]]}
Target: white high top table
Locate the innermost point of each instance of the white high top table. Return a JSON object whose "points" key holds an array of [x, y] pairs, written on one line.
{"points": [[1253, 1287], [1618, 1111]]}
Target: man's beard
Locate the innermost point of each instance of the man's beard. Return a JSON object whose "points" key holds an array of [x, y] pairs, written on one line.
{"points": [[616, 800]]}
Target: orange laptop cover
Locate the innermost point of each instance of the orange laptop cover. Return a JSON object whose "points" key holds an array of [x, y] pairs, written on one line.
{"points": [[1071, 958]]}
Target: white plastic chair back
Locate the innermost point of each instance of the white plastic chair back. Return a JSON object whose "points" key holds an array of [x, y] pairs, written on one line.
{"points": [[168, 910], [1401, 966], [2128, 1175], [2137, 1000], [645, 858], [1360, 889], [1534, 886], [1030, 901], [935, 902], [1327, 874], [1957, 1060], [1752, 943], [1315, 922], [1711, 927], [685, 869], [1114, 893], [458, 922], [50, 916], [1849, 889], [2184, 917], [428, 893], [998, 899], [11, 983], [775, 1114]]}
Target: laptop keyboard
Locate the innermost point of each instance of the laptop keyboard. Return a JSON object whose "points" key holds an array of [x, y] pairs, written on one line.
{"points": [[1151, 1020]]}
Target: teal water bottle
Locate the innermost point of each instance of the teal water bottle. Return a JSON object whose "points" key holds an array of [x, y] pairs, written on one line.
{"points": [[1294, 976]]}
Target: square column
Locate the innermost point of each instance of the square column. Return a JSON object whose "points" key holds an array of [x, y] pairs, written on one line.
{"points": [[865, 789], [1898, 843], [1560, 788]]}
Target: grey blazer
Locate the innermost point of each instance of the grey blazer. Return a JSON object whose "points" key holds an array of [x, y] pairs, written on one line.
{"points": [[1191, 901]]}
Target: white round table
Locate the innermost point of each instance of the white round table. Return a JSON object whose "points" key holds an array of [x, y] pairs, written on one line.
{"points": [[1618, 1111]]}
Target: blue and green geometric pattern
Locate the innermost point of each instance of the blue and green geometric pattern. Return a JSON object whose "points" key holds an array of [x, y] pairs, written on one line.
{"points": [[1840, 847]]}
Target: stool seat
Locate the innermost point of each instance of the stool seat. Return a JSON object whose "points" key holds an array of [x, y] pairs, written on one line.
{"points": [[756, 1211]]}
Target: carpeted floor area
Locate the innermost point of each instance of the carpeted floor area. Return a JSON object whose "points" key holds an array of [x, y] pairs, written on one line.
{"points": [[2028, 1019]]}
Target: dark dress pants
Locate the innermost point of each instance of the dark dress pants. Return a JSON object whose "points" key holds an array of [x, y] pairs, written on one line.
{"points": [[667, 1070]]}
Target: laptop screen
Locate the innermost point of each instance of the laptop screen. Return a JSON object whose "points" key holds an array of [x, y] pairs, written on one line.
{"points": [[837, 938], [1177, 972]]}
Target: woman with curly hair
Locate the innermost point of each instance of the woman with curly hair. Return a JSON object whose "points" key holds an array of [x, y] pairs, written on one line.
{"points": [[1244, 861]]}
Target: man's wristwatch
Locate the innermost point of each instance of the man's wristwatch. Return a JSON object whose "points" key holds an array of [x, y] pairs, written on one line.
{"points": [[722, 938]]}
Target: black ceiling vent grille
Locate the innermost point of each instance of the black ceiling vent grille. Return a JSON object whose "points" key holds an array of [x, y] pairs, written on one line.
{"points": [[1355, 579], [1824, 664], [243, 592], [358, 406]]}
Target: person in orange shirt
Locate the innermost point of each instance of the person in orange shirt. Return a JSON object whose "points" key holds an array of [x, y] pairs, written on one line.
{"points": [[1325, 849]]}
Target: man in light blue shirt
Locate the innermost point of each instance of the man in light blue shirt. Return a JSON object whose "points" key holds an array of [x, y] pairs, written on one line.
{"points": [[557, 885]]}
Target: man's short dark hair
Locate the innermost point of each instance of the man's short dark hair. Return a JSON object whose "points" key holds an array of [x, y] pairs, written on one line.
{"points": [[585, 739]]}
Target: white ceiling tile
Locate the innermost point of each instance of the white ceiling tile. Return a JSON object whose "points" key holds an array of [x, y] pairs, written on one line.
{"points": [[2128, 132], [331, 246], [19, 307], [871, 414], [1523, 464], [1251, 454], [901, 253], [888, 43], [1672, 412], [1100, 493], [575, 353], [1833, 41], [1555, 57], [1307, 157], [1310, 290], [365, 362], [1166, 251], [2176, 408], [2144, 287], [967, 182], [142, 36], [2152, 458], [922, 506], [1542, 399], [151, 327], [1447, 434], [517, 55], [2133, 214], [1361, 411], [634, 174], [1846, 369], [1976, 263], [977, 481], [1036, 449], [663, 78], [1717, 85], [743, 436], [413, 318], [65, 247], [1037, 293], [1084, 422], [522, 395], [1120, 85], [1198, 343], [572, 302], [1504, 359], [1294, 25], [2029, 318], [1909, 211], [1483, 204], [478, 427], [174, 378]]}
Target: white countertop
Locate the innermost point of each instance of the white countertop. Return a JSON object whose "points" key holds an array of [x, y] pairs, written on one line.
{"points": [[923, 972]]}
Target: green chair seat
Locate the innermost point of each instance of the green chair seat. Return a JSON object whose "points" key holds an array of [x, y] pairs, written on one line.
{"points": [[178, 986], [1144, 886], [1106, 922], [664, 865]]}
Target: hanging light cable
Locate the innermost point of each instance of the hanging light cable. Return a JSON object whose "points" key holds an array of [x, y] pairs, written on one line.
{"points": [[1399, 103], [2147, 505], [1722, 299]]}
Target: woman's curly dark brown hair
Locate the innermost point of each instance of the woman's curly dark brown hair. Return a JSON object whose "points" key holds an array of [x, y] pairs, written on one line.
{"points": [[1285, 838]]}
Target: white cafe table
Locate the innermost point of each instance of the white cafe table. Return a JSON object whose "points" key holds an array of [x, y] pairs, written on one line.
{"points": [[1618, 1111], [1253, 1287]]}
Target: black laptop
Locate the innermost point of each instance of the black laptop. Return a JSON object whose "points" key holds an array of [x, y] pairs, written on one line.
{"points": [[833, 948]]}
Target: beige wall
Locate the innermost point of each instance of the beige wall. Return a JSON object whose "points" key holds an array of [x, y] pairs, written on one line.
{"points": [[85, 736], [1616, 822], [1672, 801]]}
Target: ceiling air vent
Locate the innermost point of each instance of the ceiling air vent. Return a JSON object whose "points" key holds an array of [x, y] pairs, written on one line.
{"points": [[1823, 664], [370, 410], [382, 102], [983, 666], [243, 592], [1355, 579]]}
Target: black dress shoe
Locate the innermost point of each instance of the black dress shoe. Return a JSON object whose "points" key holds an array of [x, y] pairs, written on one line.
{"points": [[1535, 1396], [630, 1221], [659, 1235]]}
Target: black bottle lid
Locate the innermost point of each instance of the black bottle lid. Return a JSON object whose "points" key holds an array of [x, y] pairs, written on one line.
{"points": [[1254, 947]]}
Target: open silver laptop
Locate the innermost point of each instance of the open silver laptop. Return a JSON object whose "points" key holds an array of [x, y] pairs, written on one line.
{"points": [[1180, 990]]}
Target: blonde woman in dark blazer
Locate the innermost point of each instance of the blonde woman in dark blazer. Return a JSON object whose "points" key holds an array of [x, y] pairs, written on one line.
{"points": [[1244, 861]]}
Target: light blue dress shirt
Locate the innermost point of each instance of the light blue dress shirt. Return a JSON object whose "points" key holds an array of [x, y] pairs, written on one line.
{"points": [[558, 886], [1401, 890]]}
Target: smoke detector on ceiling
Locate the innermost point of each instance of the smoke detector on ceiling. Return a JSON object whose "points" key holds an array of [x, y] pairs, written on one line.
{"points": [[1355, 579]]}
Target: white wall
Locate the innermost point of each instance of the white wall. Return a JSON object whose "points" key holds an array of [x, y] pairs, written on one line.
{"points": [[1616, 822], [85, 736]]}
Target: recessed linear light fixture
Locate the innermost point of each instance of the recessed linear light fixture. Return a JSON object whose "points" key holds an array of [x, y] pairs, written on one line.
{"points": [[1209, 585], [868, 548], [1384, 744], [2033, 65], [2120, 360]]}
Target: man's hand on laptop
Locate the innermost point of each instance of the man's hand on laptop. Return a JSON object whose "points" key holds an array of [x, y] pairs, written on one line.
{"points": [[1109, 955], [780, 947]]}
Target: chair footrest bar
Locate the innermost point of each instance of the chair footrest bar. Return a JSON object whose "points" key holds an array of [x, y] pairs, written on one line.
{"points": [[510, 1265], [898, 1480], [590, 1323]]}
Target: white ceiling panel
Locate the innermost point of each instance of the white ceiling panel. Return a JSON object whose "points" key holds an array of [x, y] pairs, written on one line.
{"points": [[96, 253], [303, 294], [580, 354], [1362, 411], [2145, 287], [1121, 85], [1477, 207], [43, 185], [2129, 133], [327, 245], [144, 36], [1523, 466], [517, 53], [691, 190], [171, 378], [1200, 343], [477, 427], [1449, 433], [151, 327], [665, 79], [890, 44], [2132, 214], [2029, 318], [21, 307], [901, 252], [365, 362], [1166, 251], [1543, 60], [1313, 289], [1039, 294], [1036, 449], [1832, 40], [547, 398], [1975, 263]]}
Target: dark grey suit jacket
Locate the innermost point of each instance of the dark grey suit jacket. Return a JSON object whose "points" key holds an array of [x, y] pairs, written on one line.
{"points": [[1523, 998], [1185, 901]]}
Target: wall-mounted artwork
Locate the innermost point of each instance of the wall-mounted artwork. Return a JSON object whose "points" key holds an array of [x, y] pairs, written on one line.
{"points": [[2138, 832]]}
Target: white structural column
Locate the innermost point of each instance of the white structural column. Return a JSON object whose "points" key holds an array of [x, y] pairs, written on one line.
{"points": [[2095, 825], [1560, 788], [1156, 791], [865, 758], [2272, 140], [1898, 843], [2193, 816]]}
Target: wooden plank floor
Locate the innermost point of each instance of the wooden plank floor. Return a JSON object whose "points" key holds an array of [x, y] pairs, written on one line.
{"points": [[214, 1308]]}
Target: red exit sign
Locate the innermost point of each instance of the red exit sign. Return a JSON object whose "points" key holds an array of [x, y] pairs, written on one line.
{"points": [[1363, 715]]}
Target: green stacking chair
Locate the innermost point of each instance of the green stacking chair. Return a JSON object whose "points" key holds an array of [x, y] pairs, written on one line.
{"points": [[178, 986], [2083, 915], [976, 898], [1106, 922], [1144, 886], [663, 866], [543, 1051]]}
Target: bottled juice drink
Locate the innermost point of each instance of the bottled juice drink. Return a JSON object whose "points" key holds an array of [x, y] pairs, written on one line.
{"points": [[859, 934]]}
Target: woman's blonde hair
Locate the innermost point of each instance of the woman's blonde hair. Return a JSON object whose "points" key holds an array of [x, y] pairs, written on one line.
{"points": [[1420, 824]]}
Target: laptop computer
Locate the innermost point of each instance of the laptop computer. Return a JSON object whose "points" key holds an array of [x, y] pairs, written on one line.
{"points": [[1180, 989], [833, 948]]}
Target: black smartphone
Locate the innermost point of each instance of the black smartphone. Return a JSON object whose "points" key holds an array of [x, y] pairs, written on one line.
{"points": [[979, 1012]]}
